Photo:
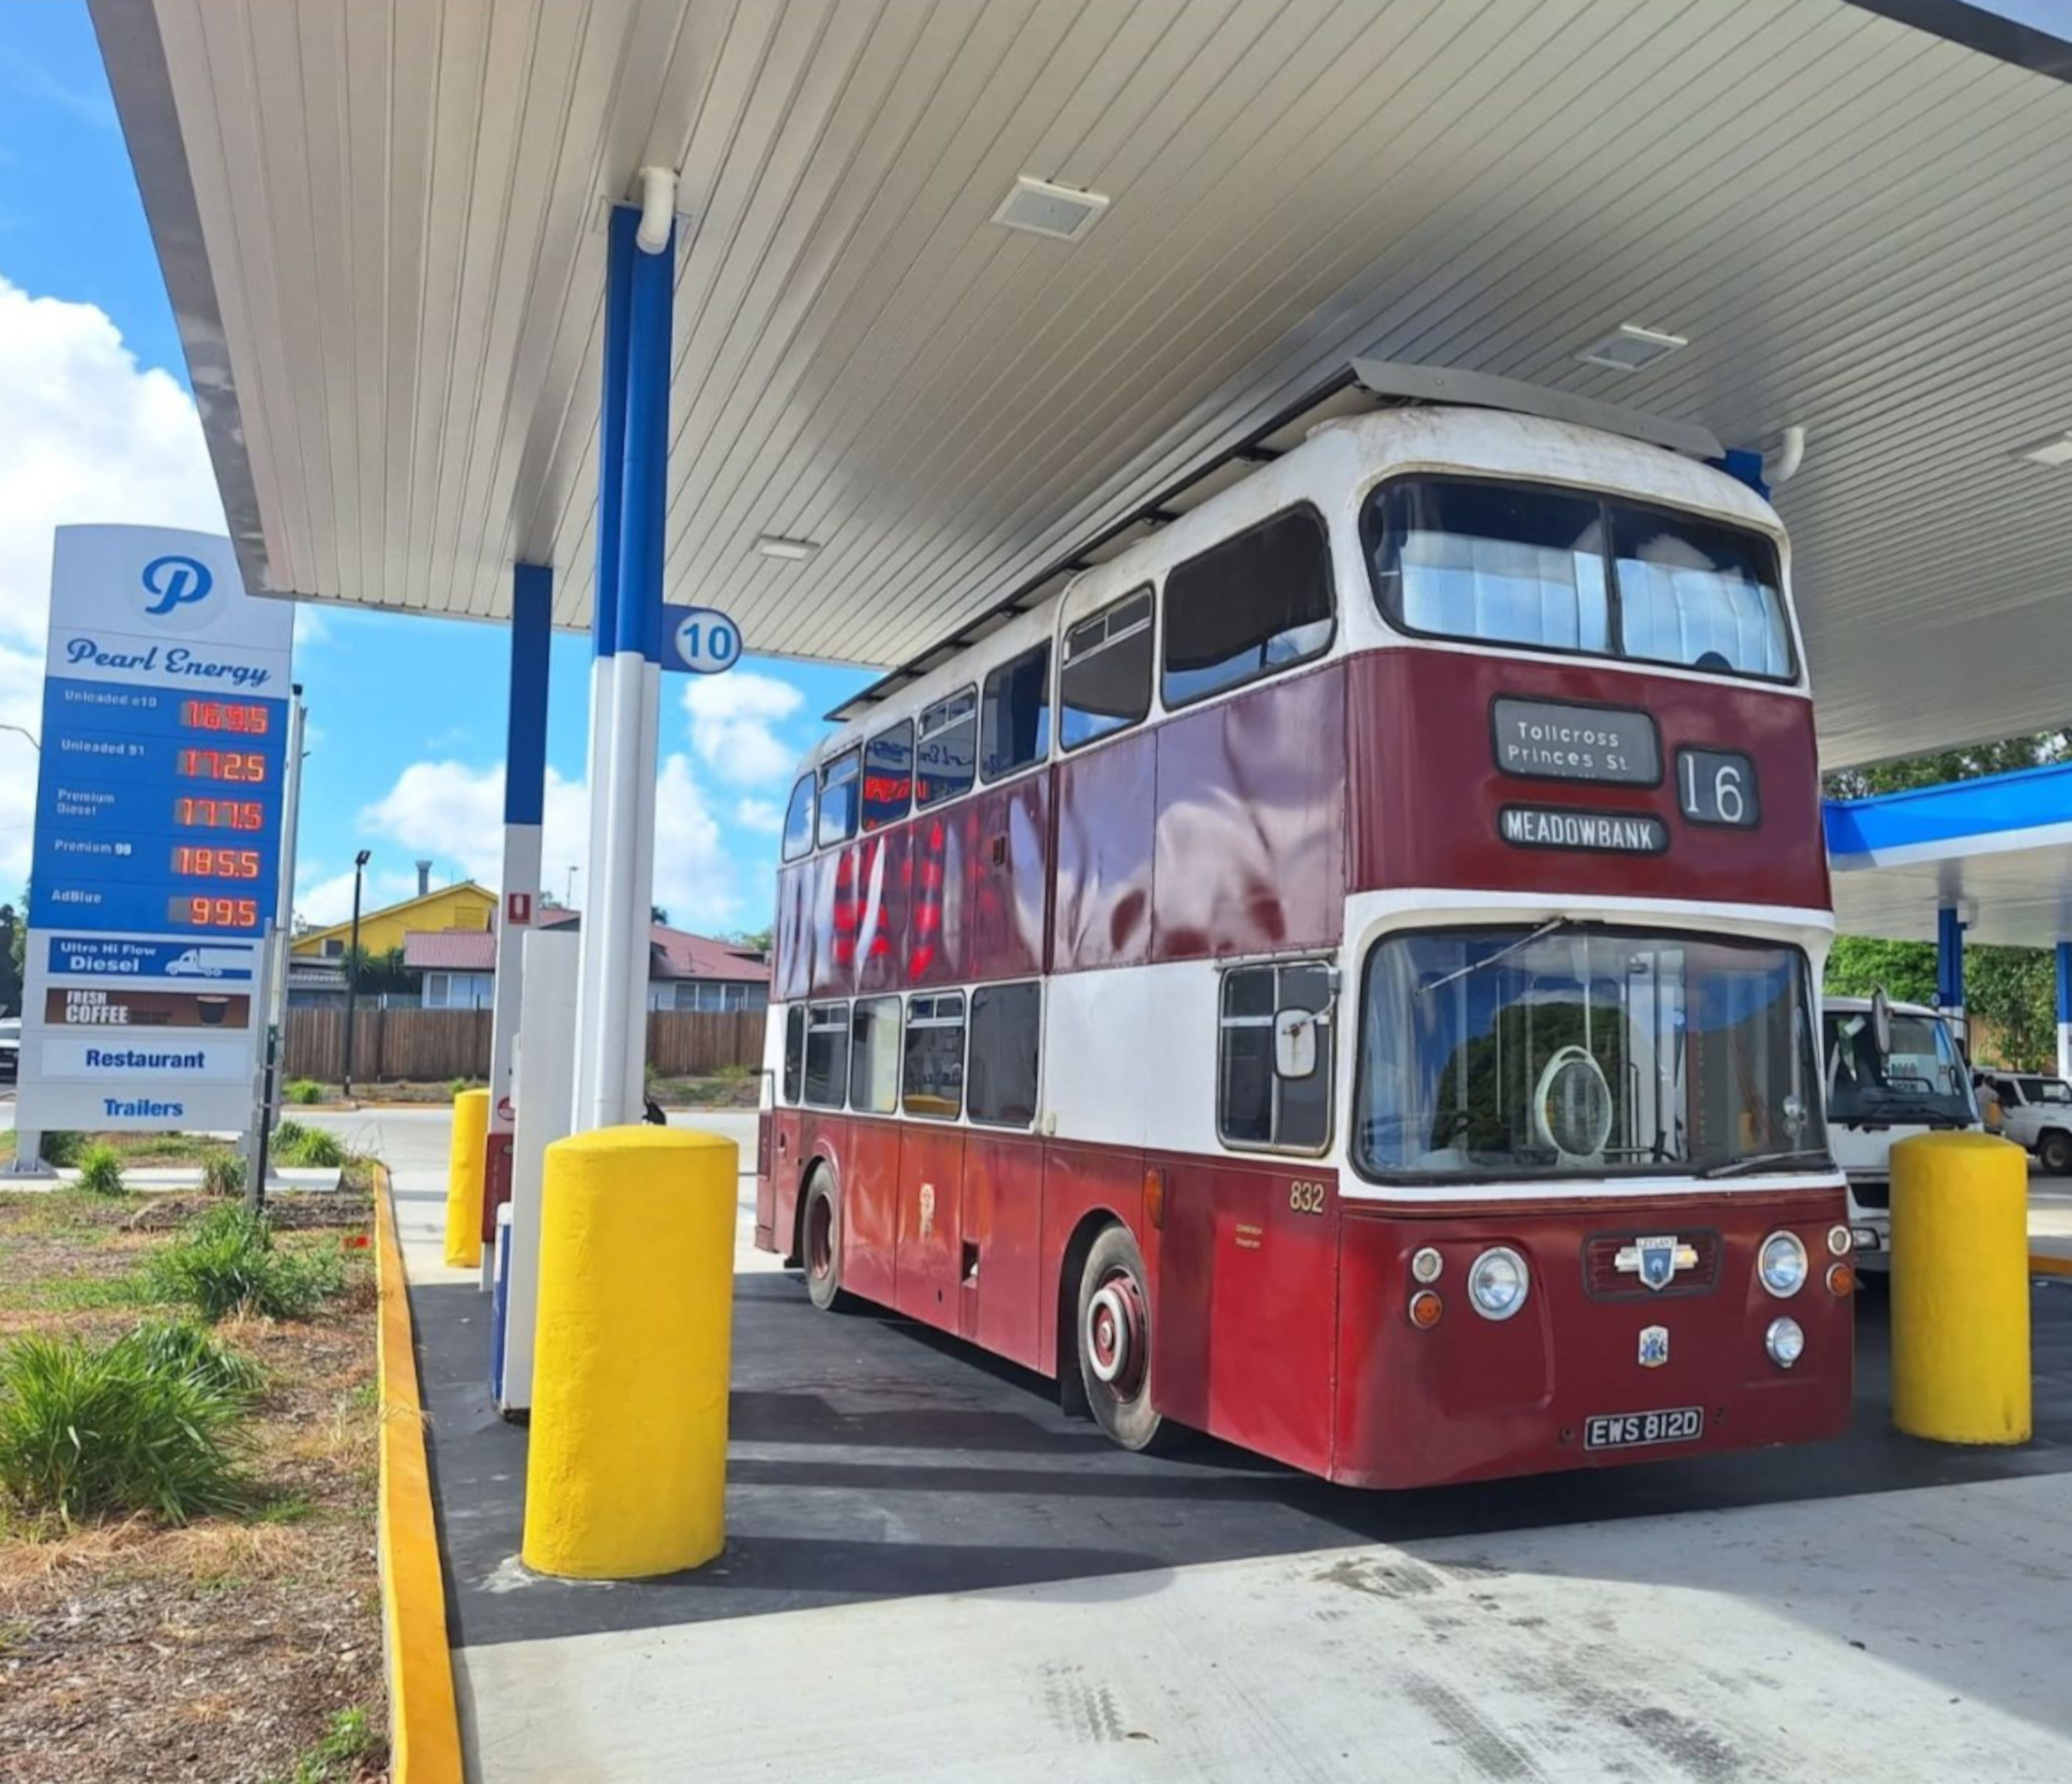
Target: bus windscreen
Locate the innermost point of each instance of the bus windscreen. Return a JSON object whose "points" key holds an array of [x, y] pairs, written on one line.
{"points": [[1585, 1051]]}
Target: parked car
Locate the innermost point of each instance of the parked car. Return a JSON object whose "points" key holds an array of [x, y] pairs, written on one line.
{"points": [[2036, 1113], [1892, 1070], [10, 1048]]}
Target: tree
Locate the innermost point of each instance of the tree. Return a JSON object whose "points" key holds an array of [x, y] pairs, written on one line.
{"points": [[753, 940], [655, 913], [2010, 991], [379, 973]]}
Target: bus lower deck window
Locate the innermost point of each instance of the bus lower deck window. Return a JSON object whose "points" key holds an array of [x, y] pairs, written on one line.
{"points": [[826, 1055], [934, 1087], [1005, 1021], [1256, 1106], [873, 1056], [794, 1052]]}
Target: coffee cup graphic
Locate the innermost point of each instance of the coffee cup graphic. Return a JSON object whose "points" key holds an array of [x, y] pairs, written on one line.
{"points": [[211, 1009]]}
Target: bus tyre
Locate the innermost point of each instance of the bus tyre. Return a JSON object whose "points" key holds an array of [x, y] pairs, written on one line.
{"points": [[2053, 1151], [820, 1244], [1115, 1343]]}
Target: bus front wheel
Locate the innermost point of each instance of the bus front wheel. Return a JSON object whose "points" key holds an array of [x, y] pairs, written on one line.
{"points": [[820, 1244], [1115, 1343]]}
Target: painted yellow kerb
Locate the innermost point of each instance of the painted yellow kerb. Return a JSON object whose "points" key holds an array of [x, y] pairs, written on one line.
{"points": [[465, 1164], [626, 1466], [424, 1732], [1960, 1289]]}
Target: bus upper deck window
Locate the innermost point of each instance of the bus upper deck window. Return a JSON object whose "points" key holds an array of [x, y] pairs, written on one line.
{"points": [[1698, 594], [798, 820], [1498, 561], [839, 797], [1253, 604], [889, 776], [1014, 717], [1105, 685], [946, 752]]}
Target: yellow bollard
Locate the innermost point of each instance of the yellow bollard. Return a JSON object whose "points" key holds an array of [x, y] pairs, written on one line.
{"points": [[1960, 1289], [625, 1473], [464, 1180]]}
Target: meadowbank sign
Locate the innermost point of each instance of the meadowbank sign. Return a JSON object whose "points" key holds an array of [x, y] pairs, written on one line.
{"points": [[157, 853]]}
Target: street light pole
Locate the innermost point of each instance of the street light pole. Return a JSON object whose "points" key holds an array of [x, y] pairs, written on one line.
{"points": [[352, 965], [19, 732]]}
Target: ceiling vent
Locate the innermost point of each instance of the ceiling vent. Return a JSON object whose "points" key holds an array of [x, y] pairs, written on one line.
{"points": [[2055, 452], [1629, 348], [1044, 209]]}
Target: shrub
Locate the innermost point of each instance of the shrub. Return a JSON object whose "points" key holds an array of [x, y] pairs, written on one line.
{"points": [[304, 1091], [458, 1084], [310, 1146], [175, 1347], [288, 1135], [734, 1074], [61, 1147], [223, 1174], [348, 1744], [84, 1430], [100, 1171], [227, 1261]]}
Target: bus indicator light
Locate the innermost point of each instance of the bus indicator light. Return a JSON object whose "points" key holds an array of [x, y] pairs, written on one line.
{"points": [[1424, 1308]]}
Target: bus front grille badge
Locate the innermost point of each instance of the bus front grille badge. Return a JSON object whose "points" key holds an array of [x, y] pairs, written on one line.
{"points": [[1655, 1258]]}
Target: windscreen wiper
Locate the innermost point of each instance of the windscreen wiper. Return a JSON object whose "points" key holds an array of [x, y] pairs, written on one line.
{"points": [[1552, 926], [1756, 1162]]}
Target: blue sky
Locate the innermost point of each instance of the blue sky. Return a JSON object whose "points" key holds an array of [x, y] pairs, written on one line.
{"points": [[407, 715]]}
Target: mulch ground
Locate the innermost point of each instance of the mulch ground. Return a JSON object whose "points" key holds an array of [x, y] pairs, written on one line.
{"points": [[221, 1651]]}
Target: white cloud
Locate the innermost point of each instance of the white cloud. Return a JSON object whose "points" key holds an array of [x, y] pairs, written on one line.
{"points": [[765, 815], [454, 811], [733, 724], [88, 436]]}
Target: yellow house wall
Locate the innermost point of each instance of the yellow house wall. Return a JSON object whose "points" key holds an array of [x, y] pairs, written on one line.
{"points": [[461, 907]]}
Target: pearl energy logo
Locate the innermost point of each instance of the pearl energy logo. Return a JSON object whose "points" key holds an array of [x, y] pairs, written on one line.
{"points": [[176, 582]]}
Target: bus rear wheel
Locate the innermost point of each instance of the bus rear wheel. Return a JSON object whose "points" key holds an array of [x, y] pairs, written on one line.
{"points": [[1115, 1343], [820, 1244]]}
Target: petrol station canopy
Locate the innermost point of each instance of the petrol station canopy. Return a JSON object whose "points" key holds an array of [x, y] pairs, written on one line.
{"points": [[382, 226]]}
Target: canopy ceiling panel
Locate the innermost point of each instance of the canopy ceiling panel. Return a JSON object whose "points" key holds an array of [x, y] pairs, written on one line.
{"points": [[381, 224]]}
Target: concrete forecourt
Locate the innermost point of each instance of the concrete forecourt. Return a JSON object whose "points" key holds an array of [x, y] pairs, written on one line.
{"points": [[930, 1573]]}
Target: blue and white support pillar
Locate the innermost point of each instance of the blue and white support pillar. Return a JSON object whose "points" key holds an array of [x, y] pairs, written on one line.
{"points": [[1949, 961], [614, 1001], [2065, 1010], [524, 805]]}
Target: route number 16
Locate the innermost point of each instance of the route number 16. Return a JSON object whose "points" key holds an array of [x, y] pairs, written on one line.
{"points": [[1717, 787]]}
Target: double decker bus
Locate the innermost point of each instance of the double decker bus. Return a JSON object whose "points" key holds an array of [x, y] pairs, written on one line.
{"points": [[1336, 969]]}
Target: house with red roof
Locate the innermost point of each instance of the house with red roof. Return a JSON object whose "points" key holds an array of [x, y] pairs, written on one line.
{"points": [[685, 972]]}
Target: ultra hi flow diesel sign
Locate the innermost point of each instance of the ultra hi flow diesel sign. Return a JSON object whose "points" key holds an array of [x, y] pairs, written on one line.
{"points": [[158, 834]]}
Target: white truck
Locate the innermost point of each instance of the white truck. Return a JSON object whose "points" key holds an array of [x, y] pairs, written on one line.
{"points": [[1892, 1070], [2036, 1112]]}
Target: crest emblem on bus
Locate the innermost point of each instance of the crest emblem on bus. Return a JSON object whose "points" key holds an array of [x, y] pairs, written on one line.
{"points": [[1654, 1346], [1655, 1258]]}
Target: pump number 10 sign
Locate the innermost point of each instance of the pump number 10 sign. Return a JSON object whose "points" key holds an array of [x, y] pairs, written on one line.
{"points": [[699, 640]]}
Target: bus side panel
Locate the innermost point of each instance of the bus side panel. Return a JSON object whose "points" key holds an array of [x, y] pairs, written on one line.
{"points": [[830, 967], [1251, 840], [793, 973], [999, 1234], [1007, 858], [1106, 803], [1079, 1181], [931, 1189], [870, 1209], [786, 1156], [937, 945], [881, 928], [1244, 1320]]}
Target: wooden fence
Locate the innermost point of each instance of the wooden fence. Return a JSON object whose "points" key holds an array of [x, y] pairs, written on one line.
{"points": [[430, 1046]]}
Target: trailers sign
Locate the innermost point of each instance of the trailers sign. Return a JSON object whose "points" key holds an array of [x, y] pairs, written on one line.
{"points": [[1551, 739]]}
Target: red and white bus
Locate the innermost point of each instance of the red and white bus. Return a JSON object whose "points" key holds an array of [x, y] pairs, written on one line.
{"points": [[1340, 974]]}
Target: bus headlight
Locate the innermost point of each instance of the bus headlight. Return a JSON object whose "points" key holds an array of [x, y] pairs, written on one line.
{"points": [[1497, 1284], [1785, 1342], [1781, 1263]]}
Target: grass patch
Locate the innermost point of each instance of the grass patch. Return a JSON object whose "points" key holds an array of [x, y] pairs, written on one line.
{"points": [[227, 1262], [295, 1144], [100, 1171], [348, 1744], [119, 1427], [303, 1091], [176, 1347], [223, 1174]]}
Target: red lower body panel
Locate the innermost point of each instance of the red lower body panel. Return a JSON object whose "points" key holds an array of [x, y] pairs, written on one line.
{"points": [[1473, 1398], [1280, 1310]]}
